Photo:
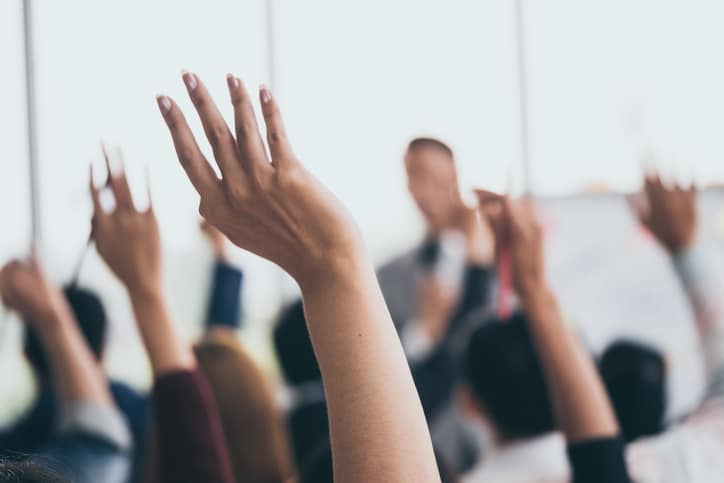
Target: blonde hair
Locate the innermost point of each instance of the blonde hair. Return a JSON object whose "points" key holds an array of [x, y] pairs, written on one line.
{"points": [[254, 427]]}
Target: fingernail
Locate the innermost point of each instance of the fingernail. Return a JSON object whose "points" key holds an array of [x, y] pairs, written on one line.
{"points": [[232, 81], [164, 103], [265, 94], [190, 80]]}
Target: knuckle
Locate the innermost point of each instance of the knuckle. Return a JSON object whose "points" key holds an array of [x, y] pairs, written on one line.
{"points": [[218, 134]]}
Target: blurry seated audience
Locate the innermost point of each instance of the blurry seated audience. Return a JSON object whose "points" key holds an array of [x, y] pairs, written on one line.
{"points": [[578, 398], [34, 429], [635, 378], [507, 398], [270, 205], [458, 249], [89, 441], [690, 450]]}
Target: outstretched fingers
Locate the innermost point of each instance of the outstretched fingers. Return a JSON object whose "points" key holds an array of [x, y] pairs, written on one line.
{"points": [[215, 127], [279, 147], [248, 139], [118, 183], [200, 173]]}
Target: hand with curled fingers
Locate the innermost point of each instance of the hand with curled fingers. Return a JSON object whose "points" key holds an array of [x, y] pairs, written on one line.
{"points": [[269, 205], [26, 289], [514, 222], [668, 213], [127, 239]]}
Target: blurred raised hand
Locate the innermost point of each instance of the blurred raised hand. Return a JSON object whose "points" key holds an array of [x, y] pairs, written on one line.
{"points": [[669, 213], [514, 222], [127, 239], [269, 205], [26, 289]]}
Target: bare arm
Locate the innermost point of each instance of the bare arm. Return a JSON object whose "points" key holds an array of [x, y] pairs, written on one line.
{"points": [[670, 215], [77, 376], [191, 441], [276, 209], [580, 402]]}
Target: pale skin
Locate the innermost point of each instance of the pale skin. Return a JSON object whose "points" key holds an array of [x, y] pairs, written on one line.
{"points": [[274, 207], [581, 405], [128, 241], [76, 374]]}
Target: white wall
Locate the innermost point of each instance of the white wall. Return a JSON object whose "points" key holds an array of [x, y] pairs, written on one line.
{"points": [[356, 80]]}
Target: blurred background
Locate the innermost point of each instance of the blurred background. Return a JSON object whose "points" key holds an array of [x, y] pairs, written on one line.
{"points": [[606, 84]]}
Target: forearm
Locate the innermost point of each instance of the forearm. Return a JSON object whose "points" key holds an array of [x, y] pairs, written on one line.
{"points": [[166, 350], [375, 413], [77, 375], [581, 404]]}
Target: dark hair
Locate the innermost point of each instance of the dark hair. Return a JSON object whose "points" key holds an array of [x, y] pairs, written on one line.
{"points": [[27, 471], [91, 317], [318, 468], [502, 368], [423, 143], [294, 348], [635, 377]]}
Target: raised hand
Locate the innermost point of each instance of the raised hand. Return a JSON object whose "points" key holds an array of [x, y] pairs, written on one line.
{"points": [[270, 206], [25, 289], [514, 223], [76, 374], [669, 213], [127, 239]]}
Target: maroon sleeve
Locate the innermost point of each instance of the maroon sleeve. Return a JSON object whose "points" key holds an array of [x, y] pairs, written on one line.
{"points": [[191, 441]]}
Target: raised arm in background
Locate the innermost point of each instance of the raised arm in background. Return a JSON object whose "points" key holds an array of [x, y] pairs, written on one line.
{"points": [[670, 215], [190, 438], [275, 208], [582, 409], [92, 442]]}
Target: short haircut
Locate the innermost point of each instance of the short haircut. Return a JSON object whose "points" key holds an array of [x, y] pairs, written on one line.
{"points": [[294, 347], [27, 470], [635, 377], [504, 373], [429, 143], [91, 318]]}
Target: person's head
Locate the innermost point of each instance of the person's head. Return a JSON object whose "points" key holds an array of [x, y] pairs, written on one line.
{"points": [[506, 389], [432, 180], [254, 428], [294, 347], [27, 471], [91, 318], [635, 377]]}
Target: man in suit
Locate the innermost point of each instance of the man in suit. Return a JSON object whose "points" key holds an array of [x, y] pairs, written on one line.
{"points": [[432, 289]]}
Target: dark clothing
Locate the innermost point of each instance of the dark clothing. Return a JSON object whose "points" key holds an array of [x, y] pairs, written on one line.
{"points": [[37, 427], [225, 301], [191, 441], [598, 461]]}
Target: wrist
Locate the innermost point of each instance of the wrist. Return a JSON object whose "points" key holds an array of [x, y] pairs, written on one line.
{"points": [[533, 290], [145, 293]]}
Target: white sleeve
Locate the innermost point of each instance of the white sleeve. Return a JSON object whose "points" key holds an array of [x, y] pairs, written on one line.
{"points": [[416, 342], [103, 422], [697, 269]]}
